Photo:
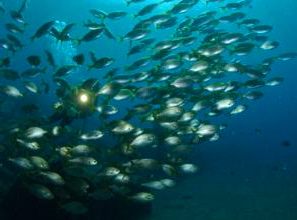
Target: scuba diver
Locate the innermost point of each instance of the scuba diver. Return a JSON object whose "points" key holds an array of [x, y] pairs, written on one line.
{"points": [[76, 102]]}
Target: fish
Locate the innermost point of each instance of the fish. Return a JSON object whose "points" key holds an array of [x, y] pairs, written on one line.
{"points": [[169, 23], [101, 62], [261, 29], [93, 25], [22, 163], [98, 14], [269, 45], [238, 109], [88, 161], [80, 149], [188, 168], [253, 95], [224, 103], [2, 9], [15, 41], [107, 110], [136, 49], [233, 6], [14, 28], [287, 56], [46, 86], [144, 140], [286, 143], [29, 108], [39, 162], [199, 66], [4, 62], [250, 22], [109, 34], [274, 81], [35, 132], [121, 127], [12, 91], [93, 135], [171, 64], [91, 35], [9, 74], [31, 86], [33, 72], [79, 59], [172, 140], [34, 60], [62, 35], [50, 59], [138, 63], [128, 2], [124, 93], [43, 30], [206, 130], [158, 185], [142, 197], [116, 15], [51, 177], [146, 10], [243, 49], [135, 34], [41, 191], [18, 14], [65, 70], [181, 7]]}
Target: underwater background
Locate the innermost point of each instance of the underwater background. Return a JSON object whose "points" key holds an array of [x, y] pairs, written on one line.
{"points": [[250, 172]]}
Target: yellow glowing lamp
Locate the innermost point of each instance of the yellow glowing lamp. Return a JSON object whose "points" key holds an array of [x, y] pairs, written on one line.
{"points": [[84, 98]]}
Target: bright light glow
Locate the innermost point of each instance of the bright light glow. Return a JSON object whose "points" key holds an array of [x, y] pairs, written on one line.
{"points": [[84, 98]]}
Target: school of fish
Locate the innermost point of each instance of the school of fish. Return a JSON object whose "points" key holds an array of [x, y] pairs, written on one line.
{"points": [[149, 114]]}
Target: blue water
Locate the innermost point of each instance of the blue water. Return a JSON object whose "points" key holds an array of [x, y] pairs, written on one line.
{"points": [[248, 163]]}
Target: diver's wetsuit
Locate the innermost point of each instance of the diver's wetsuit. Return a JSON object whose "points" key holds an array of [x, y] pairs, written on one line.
{"points": [[70, 107], [62, 117]]}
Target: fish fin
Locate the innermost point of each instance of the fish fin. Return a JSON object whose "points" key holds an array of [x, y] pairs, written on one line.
{"points": [[128, 2]]}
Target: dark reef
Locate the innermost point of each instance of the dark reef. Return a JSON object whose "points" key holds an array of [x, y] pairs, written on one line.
{"points": [[21, 204]]}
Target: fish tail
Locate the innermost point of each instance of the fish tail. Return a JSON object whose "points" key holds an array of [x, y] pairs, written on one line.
{"points": [[90, 67], [44, 70], [13, 50], [32, 39], [121, 39], [26, 24], [78, 41], [224, 8], [22, 46]]}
